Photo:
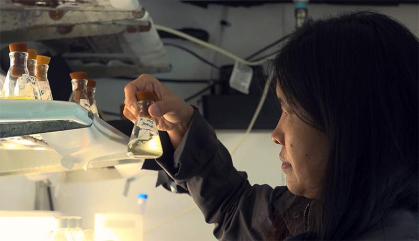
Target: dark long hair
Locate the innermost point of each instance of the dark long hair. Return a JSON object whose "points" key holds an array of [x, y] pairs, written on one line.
{"points": [[355, 78]]}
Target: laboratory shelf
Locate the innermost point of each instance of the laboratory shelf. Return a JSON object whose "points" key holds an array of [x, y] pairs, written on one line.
{"points": [[20, 16], [63, 137], [25, 117], [115, 42]]}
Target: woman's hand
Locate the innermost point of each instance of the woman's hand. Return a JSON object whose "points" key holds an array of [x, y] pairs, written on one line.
{"points": [[171, 113]]}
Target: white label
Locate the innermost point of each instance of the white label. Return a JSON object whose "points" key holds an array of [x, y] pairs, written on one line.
{"points": [[147, 125], [85, 104], [94, 109], [241, 77]]}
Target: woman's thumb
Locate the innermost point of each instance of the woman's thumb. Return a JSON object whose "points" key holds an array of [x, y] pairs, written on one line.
{"points": [[154, 110], [161, 108]]}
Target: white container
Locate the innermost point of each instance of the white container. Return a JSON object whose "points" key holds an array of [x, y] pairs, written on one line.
{"points": [[62, 232], [77, 233], [147, 45], [32, 225], [142, 201], [118, 227]]}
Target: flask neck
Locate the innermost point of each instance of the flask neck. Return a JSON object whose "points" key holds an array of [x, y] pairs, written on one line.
{"points": [[31, 67], [143, 108], [41, 72], [18, 63], [79, 90], [79, 84], [91, 92]]}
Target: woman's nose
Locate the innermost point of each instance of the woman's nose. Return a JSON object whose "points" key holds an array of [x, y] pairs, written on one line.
{"points": [[274, 140], [278, 137]]}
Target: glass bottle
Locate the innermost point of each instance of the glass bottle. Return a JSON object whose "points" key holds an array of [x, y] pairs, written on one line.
{"points": [[41, 74], [79, 94], [62, 232], [78, 231], [145, 141], [142, 200], [18, 83], [91, 92], [2, 79], [32, 61]]}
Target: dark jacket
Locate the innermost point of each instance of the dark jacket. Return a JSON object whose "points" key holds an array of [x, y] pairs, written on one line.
{"points": [[203, 166]]}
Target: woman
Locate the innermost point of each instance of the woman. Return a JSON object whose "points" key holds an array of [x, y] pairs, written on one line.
{"points": [[348, 87]]}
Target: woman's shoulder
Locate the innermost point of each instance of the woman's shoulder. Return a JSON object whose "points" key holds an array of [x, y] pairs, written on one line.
{"points": [[398, 225]]}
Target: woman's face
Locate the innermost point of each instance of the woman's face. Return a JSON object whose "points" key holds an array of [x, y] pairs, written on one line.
{"points": [[304, 151]]}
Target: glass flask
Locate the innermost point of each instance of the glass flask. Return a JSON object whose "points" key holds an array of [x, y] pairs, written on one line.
{"points": [[145, 141], [32, 61], [79, 94], [62, 232], [91, 92], [2, 79], [18, 83], [78, 231], [41, 74]]}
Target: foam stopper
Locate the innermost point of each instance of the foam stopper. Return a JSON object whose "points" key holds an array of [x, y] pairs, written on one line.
{"points": [[40, 59], [18, 47], [145, 95], [78, 75], [91, 83], [32, 53]]}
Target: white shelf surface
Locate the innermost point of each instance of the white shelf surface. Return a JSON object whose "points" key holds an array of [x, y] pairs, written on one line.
{"points": [[96, 145]]}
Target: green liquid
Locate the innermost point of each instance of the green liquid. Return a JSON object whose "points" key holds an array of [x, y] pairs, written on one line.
{"points": [[150, 149]]}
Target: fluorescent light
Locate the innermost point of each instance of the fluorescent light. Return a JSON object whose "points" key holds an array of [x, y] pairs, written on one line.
{"points": [[10, 146], [35, 228], [25, 142], [40, 148]]}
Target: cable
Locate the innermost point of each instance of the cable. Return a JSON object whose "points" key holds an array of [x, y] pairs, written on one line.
{"points": [[252, 122], [201, 91], [186, 99], [193, 53], [208, 45], [51, 204], [185, 81], [267, 47], [256, 114], [171, 80]]}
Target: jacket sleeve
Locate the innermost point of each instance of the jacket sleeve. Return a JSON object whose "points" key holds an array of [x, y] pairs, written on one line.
{"points": [[203, 166]]}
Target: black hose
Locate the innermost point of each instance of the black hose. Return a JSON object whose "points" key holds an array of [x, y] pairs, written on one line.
{"points": [[51, 204]]}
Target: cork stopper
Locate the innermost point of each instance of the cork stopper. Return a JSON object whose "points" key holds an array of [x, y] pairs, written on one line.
{"points": [[32, 53], [78, 75], [91, 83], [145, 95], [18, 47], [40, 59]]}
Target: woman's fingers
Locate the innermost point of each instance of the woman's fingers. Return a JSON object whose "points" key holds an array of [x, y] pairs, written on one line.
{"points": [[167, 104], [128, 114], [143, 82], [130, 98], [164, 107]]}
